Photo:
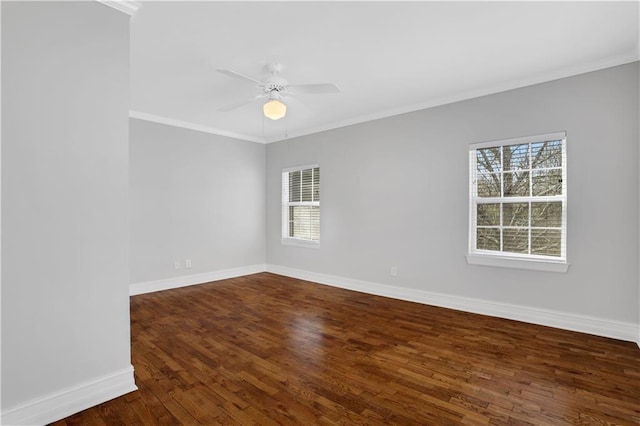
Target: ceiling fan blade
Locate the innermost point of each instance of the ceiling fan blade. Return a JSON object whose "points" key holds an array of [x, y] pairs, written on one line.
{"points": [[297, 106], [313, 88], [241, 103], [240, 76]]}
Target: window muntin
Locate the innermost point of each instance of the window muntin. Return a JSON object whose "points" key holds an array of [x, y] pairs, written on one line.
{"points": [[518, 198], [301, 204]]}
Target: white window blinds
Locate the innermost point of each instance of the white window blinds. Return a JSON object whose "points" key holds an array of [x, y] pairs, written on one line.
{"points": [[301, 203]]}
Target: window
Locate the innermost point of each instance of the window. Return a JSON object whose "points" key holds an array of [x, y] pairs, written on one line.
{"points": [[518, 203], [301, 205]]}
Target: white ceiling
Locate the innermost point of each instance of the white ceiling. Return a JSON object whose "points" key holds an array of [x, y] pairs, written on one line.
{"points": [[386, 57]]}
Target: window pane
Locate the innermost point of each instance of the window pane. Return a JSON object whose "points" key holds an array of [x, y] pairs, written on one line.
{"points": [[316, 184], [515, 157], [488, 160], [294, 186], [546, 154], [305, 222], [516, 184], [307, 181], [515, 214], [301, 187], [291, 226], [526, 172], [515, 240], [547, 182], [546, 214], [488, 215], [546, 242], [488, 239], [488, 184], [315, 223]]}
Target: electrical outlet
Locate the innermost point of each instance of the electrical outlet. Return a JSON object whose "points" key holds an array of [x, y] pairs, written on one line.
{"points": [[394, 271], [187, 263], [176, 264]]}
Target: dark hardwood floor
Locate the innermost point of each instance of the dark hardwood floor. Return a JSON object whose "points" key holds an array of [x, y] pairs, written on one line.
{"points": [[266, 350]]}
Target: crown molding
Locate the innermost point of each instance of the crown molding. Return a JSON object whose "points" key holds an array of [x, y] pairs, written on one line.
{"points": [[626, 58], [129, 7], [191, 126]]}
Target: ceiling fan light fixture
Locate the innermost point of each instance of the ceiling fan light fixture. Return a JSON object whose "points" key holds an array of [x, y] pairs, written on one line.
{"points": [[274, 109]]}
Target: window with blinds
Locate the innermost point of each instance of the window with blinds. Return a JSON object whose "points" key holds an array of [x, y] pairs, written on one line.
{"points": [[518, 198], [301, 204]]}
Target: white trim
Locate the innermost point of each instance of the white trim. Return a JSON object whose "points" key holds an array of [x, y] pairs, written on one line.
{"points": [[300, 168], [192, 126], [1, 211], [471, 94], [501, 258], [187, 280], [285, 238], [72, 400], [432, 103], [127, 6], [637, 49], [585, 324], [555, 136], [299, 242], [515, 263]]}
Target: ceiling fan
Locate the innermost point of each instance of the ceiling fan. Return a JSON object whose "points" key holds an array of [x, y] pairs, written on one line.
{"points": [[275, 89]]}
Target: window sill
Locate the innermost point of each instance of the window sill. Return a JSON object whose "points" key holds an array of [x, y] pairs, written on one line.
{"points": [[515, 263], [300, 243]]}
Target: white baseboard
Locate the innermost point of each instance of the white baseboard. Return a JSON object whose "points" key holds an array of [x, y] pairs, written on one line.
{"points": [[69, 401], [568, 321], [186, 280]]}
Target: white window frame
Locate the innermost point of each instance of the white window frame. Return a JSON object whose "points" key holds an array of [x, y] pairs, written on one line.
{"points": [[286, 239], [516, 260]]}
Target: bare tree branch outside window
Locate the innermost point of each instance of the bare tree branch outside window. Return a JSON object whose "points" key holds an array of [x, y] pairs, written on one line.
{"points": [[518, 192]]}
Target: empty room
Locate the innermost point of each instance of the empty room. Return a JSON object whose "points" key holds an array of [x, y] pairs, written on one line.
{"points": [[320, 213]]}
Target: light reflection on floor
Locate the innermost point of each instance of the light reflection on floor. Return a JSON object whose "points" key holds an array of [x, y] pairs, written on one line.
{"points": [[307, 338]]}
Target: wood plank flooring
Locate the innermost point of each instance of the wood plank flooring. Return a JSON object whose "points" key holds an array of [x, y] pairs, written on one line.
{"points": [[268, 350]]}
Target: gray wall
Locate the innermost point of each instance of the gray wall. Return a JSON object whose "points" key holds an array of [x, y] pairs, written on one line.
{"points": [[395, 193], [193, 195], [65, 270]]}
